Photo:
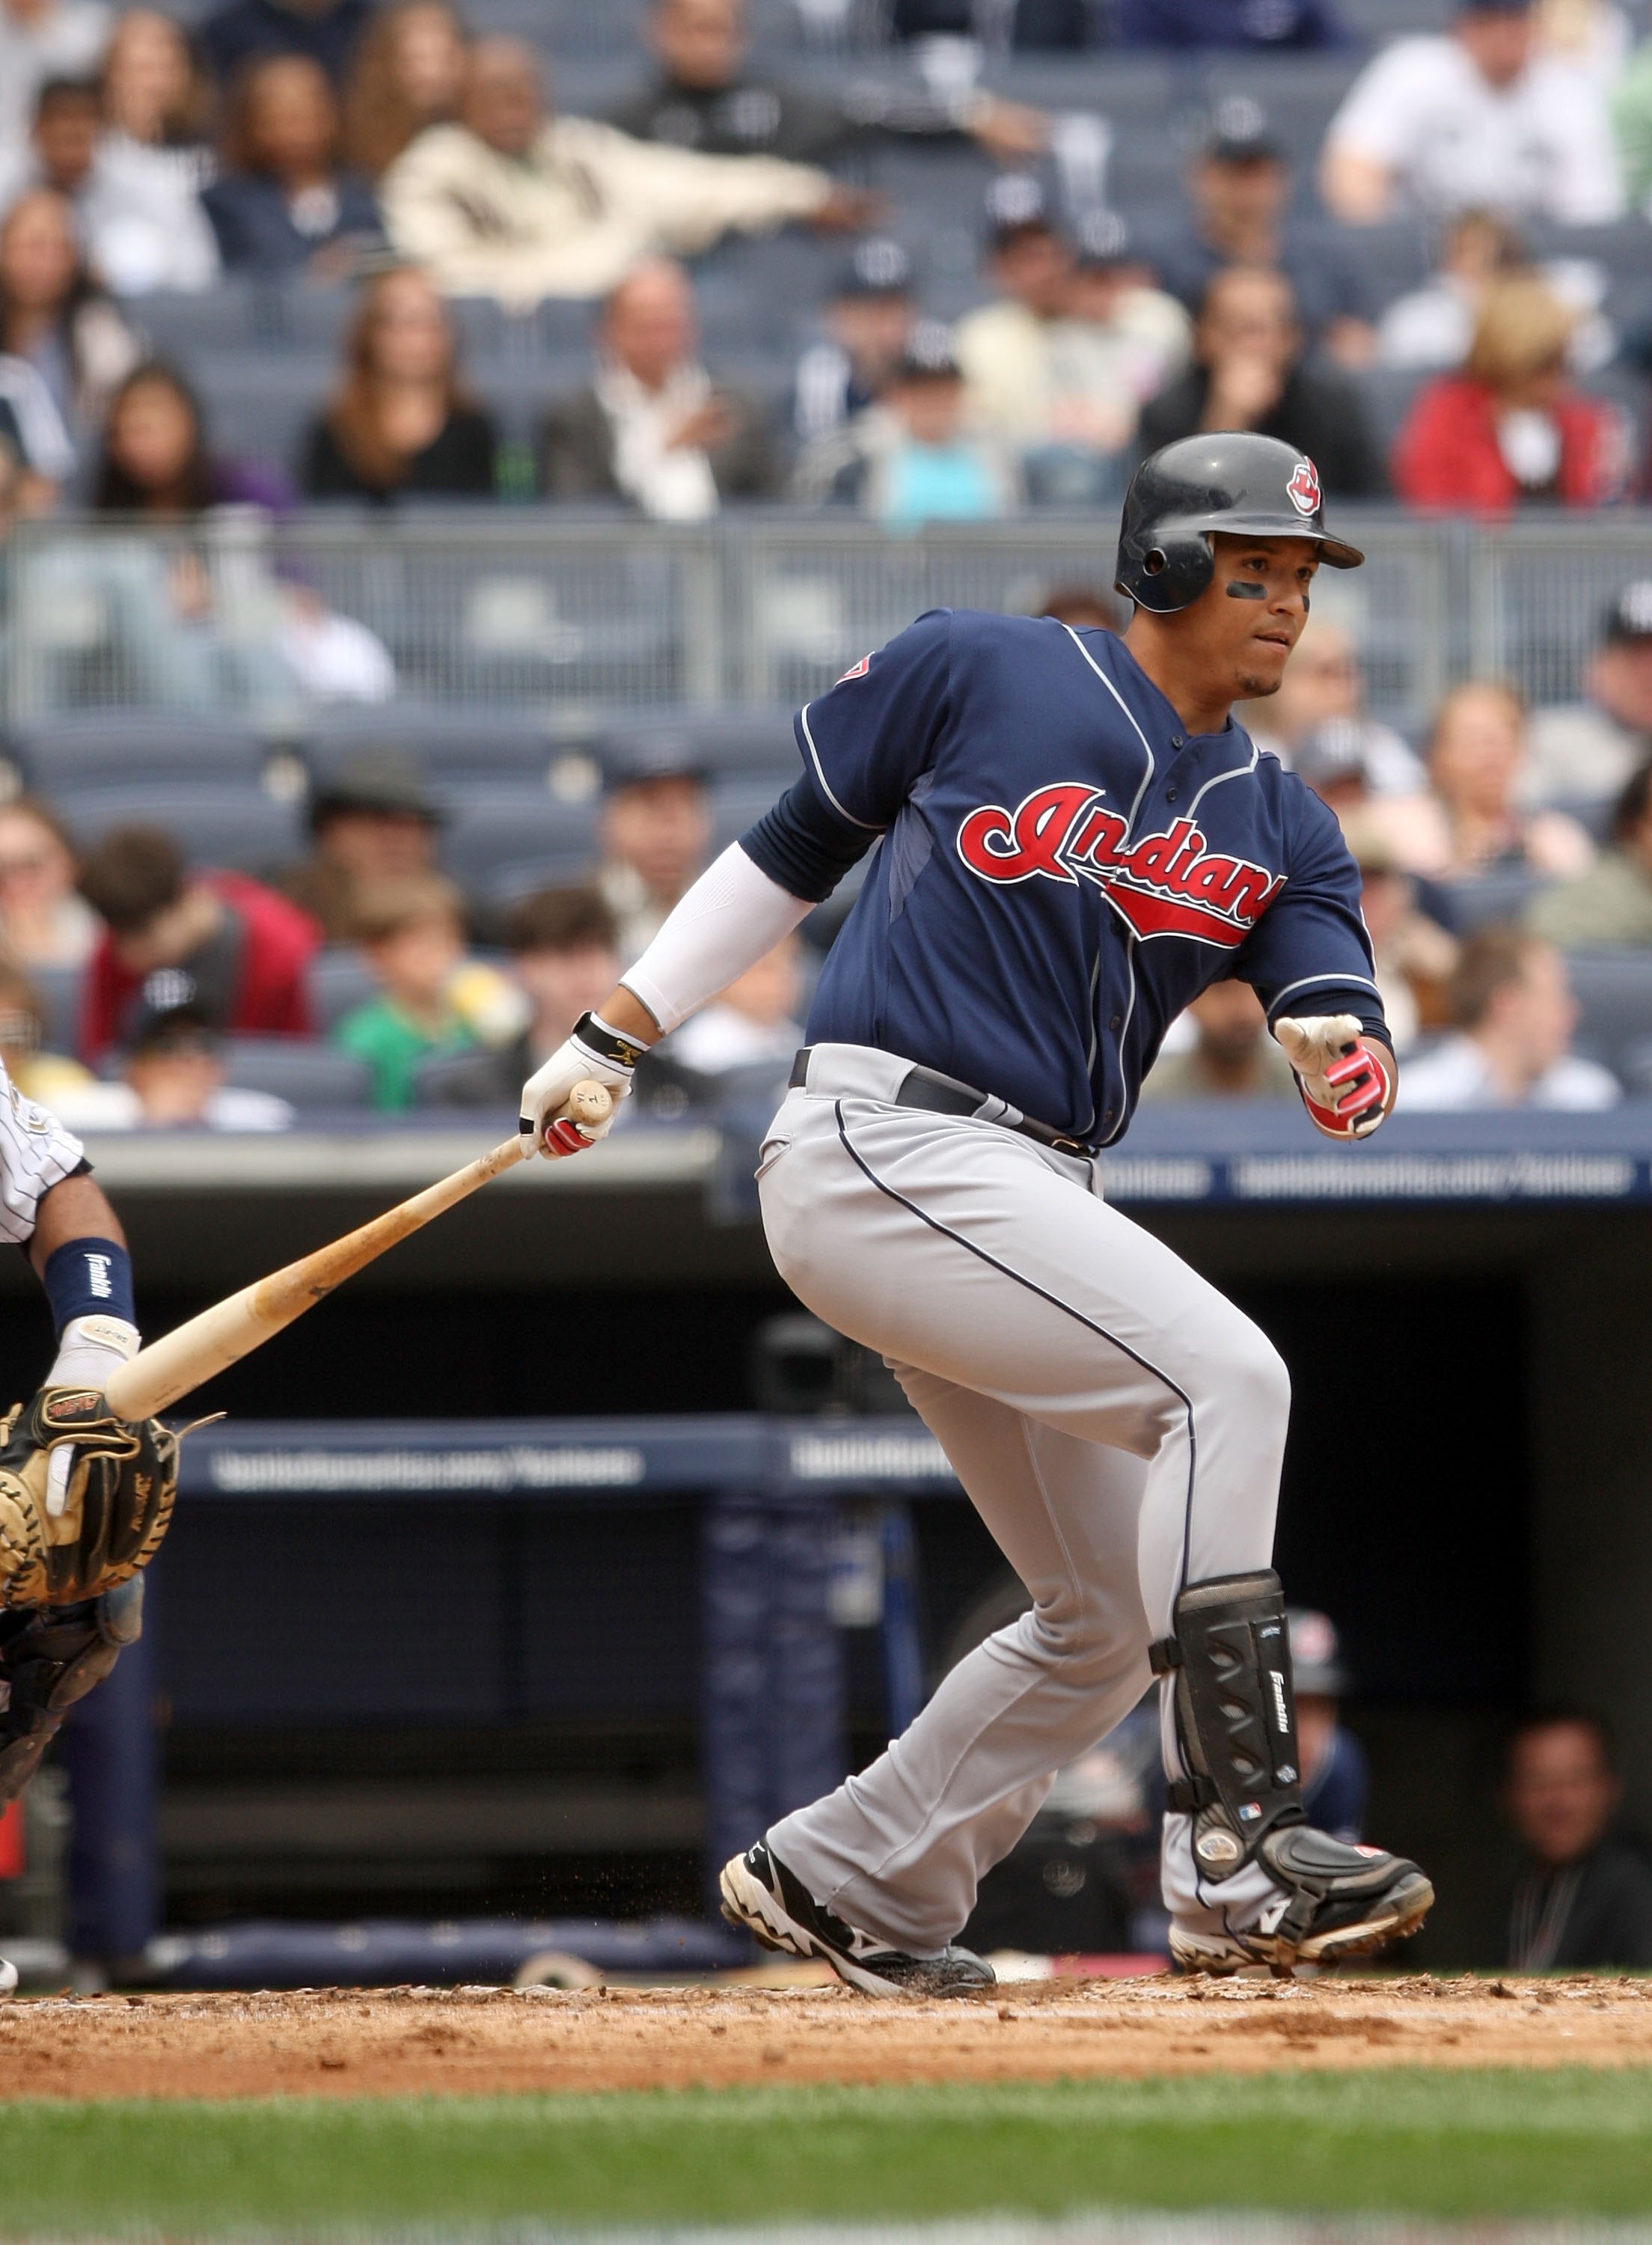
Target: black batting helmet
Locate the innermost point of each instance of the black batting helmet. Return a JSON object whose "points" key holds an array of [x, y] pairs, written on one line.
{"points": [[1232, 480]]}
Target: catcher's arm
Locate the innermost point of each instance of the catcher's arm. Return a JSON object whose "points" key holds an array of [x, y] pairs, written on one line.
{"points": [[84, 1497]]}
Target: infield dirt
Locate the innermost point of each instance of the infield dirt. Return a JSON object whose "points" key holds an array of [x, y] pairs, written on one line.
{"points": [[477, 2041]]}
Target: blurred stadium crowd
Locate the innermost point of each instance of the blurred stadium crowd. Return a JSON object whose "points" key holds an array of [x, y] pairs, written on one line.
{"points": [[915, 262]]}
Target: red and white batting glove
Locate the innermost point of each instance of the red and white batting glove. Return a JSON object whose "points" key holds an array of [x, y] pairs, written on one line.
{"points": [[594, 1053], [1342, 1074]]}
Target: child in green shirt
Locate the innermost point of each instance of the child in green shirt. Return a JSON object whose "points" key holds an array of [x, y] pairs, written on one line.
{"points": [[431, 998]]}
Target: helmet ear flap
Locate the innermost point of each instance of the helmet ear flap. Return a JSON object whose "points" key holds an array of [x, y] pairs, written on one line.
{"points": [[1172, 572]]}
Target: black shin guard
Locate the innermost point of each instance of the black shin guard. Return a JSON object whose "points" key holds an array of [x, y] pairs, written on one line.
{"points": [[1236, 1716]]}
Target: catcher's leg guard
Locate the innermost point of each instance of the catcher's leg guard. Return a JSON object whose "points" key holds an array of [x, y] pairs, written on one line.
{"points": [[50, 1657], [1236, 1725]]}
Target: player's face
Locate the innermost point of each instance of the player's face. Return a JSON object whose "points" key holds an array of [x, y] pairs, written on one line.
{"points": [[1242, 629]]}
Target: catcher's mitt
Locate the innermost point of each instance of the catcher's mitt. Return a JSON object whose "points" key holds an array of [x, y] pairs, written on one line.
{"points": [[65, 1537]]}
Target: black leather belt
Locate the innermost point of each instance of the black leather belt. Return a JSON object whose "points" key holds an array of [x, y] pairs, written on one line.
{"points": [[942, 1094]]}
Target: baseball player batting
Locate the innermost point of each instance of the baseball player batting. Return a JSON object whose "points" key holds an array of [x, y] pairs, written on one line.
{"points": [[85, 1496], [1073, 839]]}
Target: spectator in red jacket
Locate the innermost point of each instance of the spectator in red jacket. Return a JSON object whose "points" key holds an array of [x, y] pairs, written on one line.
{"points": [[219, 943], [1509, 429]]}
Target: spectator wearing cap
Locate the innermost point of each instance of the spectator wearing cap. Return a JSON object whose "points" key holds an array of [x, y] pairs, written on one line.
{"points": [[41, 39], [1586, 751], [655, 832], [1004, 347], [1336, 1777], [218, 942], [650, 427], [1250, 371], [1117, 344], [1515, 1017], [1232, 1056], [324, 31], [375, 820], [1270, 26], [285, 202], [868, 319], [1477, 767], [1474, 117], [1058, 364], [1510, 428], [518, 204], [1239, 213], [1611, 904], [917, 457], [1584, 1903], [174, 1078], [706, 96], [565, 958]]}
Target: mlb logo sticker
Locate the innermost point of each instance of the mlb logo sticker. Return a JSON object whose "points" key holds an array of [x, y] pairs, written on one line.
{"points": [[1304, 487], [856, 670]]}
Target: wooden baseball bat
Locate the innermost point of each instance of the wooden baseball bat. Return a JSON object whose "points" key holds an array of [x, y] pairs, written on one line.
{"points": [[230, 1329]]}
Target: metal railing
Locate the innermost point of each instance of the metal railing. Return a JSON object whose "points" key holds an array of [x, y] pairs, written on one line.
{"points": [[572, 616]]}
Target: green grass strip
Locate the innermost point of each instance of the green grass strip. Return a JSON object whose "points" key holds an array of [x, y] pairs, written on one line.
{"points": [[1449, 2143]]}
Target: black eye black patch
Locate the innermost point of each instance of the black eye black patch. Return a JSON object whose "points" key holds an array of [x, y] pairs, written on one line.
{"points": [[1242, 589]]}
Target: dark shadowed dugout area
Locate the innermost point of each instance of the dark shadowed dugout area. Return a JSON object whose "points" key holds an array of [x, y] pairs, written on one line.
{"points": [[356, 1721]]}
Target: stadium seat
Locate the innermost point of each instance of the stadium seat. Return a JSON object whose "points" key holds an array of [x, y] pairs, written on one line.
{"points": [[338, 981], [449, 743], [213, 821], [260, 402], [494, 826], [128, 747], [1389, 393], [1488, 899], [304, 1069], [1613, 992], [736, 804], [723, 740]]}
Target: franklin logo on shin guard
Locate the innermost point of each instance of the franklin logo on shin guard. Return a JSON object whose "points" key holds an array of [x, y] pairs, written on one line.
{"points": [[1282, 1712]]}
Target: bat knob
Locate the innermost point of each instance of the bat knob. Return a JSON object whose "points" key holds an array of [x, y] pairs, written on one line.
{"points": [[589, 1102]]}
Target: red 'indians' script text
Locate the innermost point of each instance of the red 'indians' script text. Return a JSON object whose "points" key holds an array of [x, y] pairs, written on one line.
{"points": [[1169, 883]]}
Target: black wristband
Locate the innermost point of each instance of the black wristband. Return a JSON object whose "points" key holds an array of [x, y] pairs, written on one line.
{"points": [[607, 1044]]}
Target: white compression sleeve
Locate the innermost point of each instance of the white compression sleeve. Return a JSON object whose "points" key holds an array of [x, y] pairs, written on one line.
{"points": [[733, 914]]}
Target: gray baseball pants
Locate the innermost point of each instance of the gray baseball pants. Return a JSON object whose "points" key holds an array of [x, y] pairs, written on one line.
{"points": [[1116, 1422]]}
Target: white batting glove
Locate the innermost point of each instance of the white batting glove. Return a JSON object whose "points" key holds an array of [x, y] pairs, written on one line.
{"points": [[1341, 1075], [594, 1053]]}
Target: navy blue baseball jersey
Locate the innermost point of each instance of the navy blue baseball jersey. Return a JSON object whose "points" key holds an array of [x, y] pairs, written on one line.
{"points": [[1061, 867]]}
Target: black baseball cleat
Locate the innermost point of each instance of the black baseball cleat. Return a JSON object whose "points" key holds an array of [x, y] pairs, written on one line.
{"points": [[761, 1896], [1337, 1901]]}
